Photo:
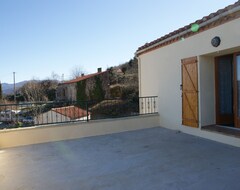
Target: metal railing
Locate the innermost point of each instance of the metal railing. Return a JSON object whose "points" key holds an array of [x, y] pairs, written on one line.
{"points": [[43, 113]]}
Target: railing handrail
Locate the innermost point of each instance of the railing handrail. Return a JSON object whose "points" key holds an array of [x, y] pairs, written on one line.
{"points": [[148, 97], [44, 112]]}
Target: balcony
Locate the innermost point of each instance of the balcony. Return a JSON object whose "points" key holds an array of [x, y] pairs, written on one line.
{"points": [[149, 159], [129, 152]]}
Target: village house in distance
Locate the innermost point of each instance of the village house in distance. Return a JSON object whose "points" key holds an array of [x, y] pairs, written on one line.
{"points": [[87, 87]]}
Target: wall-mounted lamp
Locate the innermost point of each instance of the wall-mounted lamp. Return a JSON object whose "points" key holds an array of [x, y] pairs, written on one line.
{"points": [[216, 41]]}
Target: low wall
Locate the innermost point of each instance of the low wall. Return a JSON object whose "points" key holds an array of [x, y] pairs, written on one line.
{"points": [[214, 136], [41, 134]]}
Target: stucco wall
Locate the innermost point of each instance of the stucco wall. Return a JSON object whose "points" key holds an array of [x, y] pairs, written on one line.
{"points": [[50, 117], [160, 71], [207, 89], [66, 92]]}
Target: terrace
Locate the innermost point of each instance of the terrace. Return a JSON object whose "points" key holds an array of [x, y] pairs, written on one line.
{"points": [[125, 151], [148, 159]]}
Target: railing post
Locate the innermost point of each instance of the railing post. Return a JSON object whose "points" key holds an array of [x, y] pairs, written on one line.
{"points": [[87, 110]]}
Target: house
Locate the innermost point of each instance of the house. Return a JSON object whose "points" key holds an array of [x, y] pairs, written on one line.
{"points": [[62, 114], [86, 87], [195, 72]]}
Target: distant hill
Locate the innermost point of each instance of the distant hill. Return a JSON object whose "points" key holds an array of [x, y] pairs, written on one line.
{"points": [[8, 88]]}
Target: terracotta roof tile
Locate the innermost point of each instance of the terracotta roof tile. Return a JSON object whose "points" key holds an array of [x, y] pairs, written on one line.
{"points": [[72, 112], [83, 77], [187, 27]]}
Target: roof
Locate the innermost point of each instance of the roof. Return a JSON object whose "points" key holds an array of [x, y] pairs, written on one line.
{"points": [[83, 77], [214, 19], [72, 112]]}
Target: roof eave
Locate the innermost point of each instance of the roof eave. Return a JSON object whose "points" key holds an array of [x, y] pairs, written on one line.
{"points": [[186, 31]]}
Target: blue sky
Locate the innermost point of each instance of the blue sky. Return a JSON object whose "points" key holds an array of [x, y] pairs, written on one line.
{"points": [[38, 37]]}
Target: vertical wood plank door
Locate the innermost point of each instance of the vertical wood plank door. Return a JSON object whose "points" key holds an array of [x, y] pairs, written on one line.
{"points": [[190, 92]]}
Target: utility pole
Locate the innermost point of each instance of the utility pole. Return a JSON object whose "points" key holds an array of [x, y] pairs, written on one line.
{"points": [[1, 94], [14, 87]]}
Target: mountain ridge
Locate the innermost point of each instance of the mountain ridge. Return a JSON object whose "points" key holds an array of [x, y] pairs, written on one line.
{"points": [[7, 88]]}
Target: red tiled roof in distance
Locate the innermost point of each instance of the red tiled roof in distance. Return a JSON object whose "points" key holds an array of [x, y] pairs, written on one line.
{"points": [[165, 40], [72, 112], [83, 77]]}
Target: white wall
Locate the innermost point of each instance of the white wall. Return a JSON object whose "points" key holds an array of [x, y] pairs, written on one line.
{"points": [[160, 70], [207, 91], [72, 92], [50, 117], [54, 117]]}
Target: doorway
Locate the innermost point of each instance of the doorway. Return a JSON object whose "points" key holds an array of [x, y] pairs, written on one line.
{"points": [[227, 83]]}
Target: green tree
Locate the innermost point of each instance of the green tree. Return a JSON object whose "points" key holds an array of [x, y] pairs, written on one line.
{"points": [[98, 92], [81, 91]]}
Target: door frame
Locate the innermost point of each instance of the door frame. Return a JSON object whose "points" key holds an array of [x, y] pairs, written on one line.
{"points": [[235, 91], [221, 119]]}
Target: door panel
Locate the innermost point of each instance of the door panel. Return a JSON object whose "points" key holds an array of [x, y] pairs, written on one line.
{"points": [[190, 92], [224, 90]]}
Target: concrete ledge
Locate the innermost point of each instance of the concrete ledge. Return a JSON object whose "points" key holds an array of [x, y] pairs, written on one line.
{"points": [[41, 134], [226, 139]]}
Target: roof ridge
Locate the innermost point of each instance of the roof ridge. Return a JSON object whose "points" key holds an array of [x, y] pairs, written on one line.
{"points": [[83, 77]]}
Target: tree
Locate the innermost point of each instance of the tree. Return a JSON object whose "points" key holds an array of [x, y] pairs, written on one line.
{"points": [[76, 72], [124, 69], [39, 90], [32, 91], [49, 88], [54, 77]]}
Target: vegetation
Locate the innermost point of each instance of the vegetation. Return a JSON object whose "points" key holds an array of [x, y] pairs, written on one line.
{"points": [[124, 87], [114, 108], [123, 84], [35, 90], [98, 93], [76, 72], [81, 91], [124, 80]]}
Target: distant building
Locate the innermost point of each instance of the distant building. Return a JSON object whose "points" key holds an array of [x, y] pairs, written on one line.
{"points": [[62, 114], [86, 87]]}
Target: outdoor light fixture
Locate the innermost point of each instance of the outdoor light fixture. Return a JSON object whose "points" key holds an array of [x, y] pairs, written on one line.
{"points": [[216, 41]]}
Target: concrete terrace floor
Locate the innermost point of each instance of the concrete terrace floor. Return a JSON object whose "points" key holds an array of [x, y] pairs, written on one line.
{"points": [[148, 159]]}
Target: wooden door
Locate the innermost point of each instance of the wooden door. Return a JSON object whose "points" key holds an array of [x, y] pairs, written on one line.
{"points": [[224, 90], [190, 92]]}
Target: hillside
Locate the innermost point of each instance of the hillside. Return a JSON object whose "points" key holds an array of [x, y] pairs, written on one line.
{"points": [[8, 88], [124, 80], [123, 91]]}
